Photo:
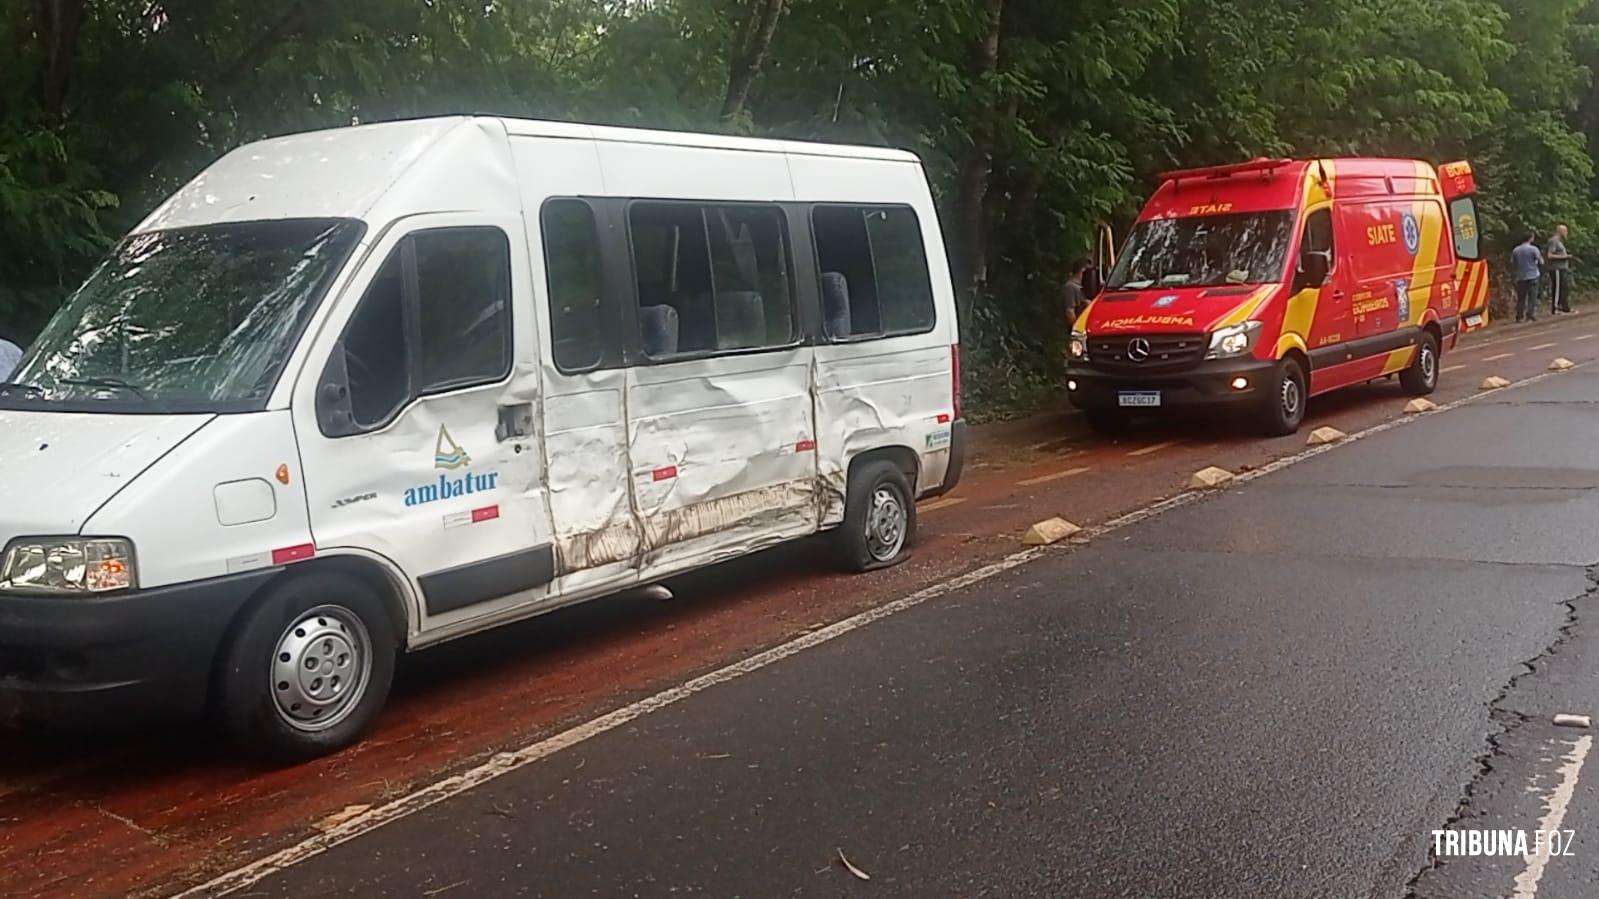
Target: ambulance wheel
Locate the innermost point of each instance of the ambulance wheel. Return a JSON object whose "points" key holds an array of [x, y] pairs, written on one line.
{"points": [[879, 517], [1284, 408], [307, 669], [1107, 422], [1421, 378]]}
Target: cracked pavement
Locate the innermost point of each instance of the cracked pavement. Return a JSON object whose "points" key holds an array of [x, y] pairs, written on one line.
{"points": [[1280, 690]]}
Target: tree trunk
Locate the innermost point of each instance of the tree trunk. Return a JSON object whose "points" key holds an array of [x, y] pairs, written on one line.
{"points": [[972, 176], [59, 21], [754, 41]]}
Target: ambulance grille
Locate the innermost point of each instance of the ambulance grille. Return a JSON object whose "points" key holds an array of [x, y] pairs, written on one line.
{"points": [[1167, 353]]}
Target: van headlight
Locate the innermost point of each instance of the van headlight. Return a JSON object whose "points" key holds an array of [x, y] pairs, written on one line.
{"points": [[1078, 347], [68, 565], [1234, 340]]}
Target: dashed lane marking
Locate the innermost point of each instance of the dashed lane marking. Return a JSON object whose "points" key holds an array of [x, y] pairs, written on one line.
{"points": [[1449, 368], [1498, 357], [1057, 476], [1543, 346], [511, 760], [937, 504], [1583, 337], [1154, 449], [1554, 815]]}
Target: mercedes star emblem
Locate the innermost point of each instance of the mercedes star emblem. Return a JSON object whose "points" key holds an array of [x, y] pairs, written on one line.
{"points": [[1138, 349]]}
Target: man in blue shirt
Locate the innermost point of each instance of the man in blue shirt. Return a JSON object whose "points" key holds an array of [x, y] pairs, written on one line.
{"points": [[1526, 262]]}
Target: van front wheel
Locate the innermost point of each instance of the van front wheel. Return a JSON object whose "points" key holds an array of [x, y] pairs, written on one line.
{"points": [[1421, 378], [1284, 407], [879, 517], [308, 668]]}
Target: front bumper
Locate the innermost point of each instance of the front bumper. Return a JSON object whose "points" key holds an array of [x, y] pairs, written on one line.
{"points": [[1206, 385], [140, 656]]}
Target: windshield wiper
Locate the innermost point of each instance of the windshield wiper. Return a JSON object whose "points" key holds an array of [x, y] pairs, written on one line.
{"points": [[113, 383], [29, 389]]}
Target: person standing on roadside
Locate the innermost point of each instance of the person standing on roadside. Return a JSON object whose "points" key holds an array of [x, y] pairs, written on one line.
{"points": [[1526, 264], [1559, 272], [1075, 300]]}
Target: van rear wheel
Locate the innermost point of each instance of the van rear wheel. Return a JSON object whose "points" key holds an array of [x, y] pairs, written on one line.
{"points": [[879, 517], [1421, 378], [308, 668], [1284, 407]]}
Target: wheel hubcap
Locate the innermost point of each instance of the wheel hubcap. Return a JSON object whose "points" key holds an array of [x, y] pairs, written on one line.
{"points": [[1290, 397], [885, 525], [1429, 364], [321, 668]]}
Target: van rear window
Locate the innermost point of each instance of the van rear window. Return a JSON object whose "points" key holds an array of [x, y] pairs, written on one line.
{"points": [[874, 276]]}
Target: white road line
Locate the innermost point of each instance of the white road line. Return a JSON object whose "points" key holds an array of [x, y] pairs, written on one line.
{"points": [[506, 762], [1059, 475], [1154, 449], [1543, 346], [1554, 815], [937, 504], [1449, 368], [1583, 337], [1498, 357]]}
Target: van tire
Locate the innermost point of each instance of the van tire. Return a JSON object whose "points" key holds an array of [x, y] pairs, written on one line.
{"points": [[879, 517], [1107, 422], [1421, 378], [279, 633], [1284, 407]]}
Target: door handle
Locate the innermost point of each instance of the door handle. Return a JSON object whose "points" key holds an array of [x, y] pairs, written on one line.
{"points": [[515, 422]]}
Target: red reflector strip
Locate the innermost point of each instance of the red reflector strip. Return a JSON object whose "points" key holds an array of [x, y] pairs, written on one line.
{"points": [[665, 474], [487, 514], [943, 419], [293, 553], [805, 446]]}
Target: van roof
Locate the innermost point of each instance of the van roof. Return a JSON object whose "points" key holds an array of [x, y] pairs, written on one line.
{"points": [[344, 172], [1268, 184]]}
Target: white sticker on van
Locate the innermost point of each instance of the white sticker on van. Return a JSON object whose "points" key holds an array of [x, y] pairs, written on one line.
{"points": [[938, 439]]}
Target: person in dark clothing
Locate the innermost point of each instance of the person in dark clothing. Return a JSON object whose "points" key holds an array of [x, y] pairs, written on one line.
{"points": [[1559, 272], [1525, 265], [1072, 294]]}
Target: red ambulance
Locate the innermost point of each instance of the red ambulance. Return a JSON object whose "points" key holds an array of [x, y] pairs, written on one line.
{"points": [[1258, 285]]}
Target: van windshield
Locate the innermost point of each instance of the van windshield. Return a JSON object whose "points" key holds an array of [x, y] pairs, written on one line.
{"points": [[1205, 251], [186, 320]]}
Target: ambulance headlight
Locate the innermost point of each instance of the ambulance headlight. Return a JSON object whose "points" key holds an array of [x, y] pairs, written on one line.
{"points": [[1078, 347], [1235, 340], [67, 566]]}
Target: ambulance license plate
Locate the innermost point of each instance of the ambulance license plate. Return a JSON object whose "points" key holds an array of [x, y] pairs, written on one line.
{"points": [[1139, 398]]}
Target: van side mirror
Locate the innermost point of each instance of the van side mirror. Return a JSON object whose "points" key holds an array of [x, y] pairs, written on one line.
{"points": [[1314, 268], [334, 414]]}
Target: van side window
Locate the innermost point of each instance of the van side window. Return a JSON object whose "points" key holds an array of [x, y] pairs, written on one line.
{"points": [[375, 351], [874, 276], [463, 284], [711, 278], [572, 263]]}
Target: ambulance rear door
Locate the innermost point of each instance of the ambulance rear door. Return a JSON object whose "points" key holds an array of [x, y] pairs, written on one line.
{"points": [[1471, 270]]}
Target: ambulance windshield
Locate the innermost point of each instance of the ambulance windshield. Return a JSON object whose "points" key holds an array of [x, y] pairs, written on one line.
{"points": [[1205, 251], [187, 320]]}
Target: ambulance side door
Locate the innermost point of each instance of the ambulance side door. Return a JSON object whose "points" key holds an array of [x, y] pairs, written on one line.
{"points": [[1318, 306]]}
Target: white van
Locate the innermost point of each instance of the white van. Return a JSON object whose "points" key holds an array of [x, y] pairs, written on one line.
{"points": [[369, 389]]}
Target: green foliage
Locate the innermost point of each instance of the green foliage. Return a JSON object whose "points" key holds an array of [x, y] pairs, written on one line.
{"points": [[107, 105]]}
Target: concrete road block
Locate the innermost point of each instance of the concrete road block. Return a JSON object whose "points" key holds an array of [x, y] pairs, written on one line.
{"points": [[1323, 436], [1209, 478], [1050, 531]]}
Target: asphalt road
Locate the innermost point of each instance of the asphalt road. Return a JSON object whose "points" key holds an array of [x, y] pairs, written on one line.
{"points": [[1279, 690]]}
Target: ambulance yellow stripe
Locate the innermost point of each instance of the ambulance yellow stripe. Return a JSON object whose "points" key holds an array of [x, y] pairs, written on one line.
{"points": [[1465, 285], [1301, 308], [1245, 309], [1399, 360], [1423, 272]]}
